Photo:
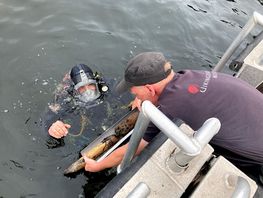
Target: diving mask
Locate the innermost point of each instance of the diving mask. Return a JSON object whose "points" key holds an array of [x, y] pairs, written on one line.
{"points": [[88, 95]]}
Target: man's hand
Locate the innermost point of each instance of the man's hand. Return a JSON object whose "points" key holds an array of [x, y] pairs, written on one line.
{"points": [[136, 103], [58, 129], [91, 165], [112, 160]]}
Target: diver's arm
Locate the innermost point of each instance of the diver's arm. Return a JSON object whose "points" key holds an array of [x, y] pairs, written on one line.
{"points": [[113, 159]]}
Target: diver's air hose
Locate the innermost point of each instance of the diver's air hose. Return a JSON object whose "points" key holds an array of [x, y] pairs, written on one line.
{"points": [[83, 123]]}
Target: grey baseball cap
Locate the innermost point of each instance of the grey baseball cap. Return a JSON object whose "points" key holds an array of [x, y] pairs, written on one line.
{"points": [[145, 68]]}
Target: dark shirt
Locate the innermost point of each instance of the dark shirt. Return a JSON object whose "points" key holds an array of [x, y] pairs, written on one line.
{"points": [[195, 96]]}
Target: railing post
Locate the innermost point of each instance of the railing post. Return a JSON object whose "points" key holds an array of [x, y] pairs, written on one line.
{"points": [[169, 128], [142, 190], [189, 147], [240, 185], [138, 132], [255, 19], [202, 136]]}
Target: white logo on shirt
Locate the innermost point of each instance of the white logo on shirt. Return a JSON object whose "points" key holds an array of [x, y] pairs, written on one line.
{"points": [[204, 86]]}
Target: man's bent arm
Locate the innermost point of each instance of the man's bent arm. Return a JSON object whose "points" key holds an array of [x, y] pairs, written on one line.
{"points": [[113, 159]]}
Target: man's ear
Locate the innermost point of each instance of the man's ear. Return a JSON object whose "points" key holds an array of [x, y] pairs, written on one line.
{"points": [[151, 89]]}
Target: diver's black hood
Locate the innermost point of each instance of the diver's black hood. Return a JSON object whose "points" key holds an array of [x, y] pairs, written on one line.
{"points": [[75, 73]]}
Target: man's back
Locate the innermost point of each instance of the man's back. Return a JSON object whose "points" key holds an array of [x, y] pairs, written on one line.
{"points": [[195, 96]]}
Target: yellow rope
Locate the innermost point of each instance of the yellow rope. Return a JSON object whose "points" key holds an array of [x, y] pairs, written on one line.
{"points": [[83, 123]]}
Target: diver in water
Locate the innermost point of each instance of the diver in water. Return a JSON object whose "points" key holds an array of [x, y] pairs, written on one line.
{"points": [[80, 104], [86, 89]]}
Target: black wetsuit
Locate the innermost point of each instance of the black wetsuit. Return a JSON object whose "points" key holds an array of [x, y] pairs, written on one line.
{"points": [[88, 120]]}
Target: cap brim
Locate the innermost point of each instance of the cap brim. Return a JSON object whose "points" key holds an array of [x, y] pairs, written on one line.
{"points": [[123, 86]]}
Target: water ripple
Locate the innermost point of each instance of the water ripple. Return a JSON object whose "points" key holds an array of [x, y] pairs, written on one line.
{"points": [[87, 25], [56, 29], [197, 9], [12, 7], [17, 8], [41, 21], [5, 19], [13, 60], [12, 41]]}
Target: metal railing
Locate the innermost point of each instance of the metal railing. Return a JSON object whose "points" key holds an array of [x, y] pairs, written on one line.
{"points": [[142, 190], [189, 146], [253, 21], [240, 185]]}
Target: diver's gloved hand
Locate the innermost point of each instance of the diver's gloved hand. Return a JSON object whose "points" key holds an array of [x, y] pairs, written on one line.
{"points": [[58, 129]]}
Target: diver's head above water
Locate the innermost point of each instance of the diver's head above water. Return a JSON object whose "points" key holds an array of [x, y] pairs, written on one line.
{"points": [[87, 85]]}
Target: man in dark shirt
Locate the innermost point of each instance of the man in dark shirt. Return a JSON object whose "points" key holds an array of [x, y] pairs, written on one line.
{"points": [[195, 96]]}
